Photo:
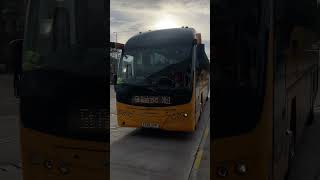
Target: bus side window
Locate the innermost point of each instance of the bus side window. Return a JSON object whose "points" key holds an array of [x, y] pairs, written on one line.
{"points": [[61, 29]]}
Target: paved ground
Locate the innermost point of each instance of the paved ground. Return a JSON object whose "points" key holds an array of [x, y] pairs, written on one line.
{"points": [[306, 165], [201, 166], [153, 154], [9, 131]]}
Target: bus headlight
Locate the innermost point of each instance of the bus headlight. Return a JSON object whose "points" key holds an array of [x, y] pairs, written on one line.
{"points": [[222, 171], [241, 168], [64, 170], [185, 114], [48, 164]]}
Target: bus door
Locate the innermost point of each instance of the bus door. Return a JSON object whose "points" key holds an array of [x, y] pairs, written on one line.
{"points": [[282, 133], [128, 70], [281, 125], [197, 83]]}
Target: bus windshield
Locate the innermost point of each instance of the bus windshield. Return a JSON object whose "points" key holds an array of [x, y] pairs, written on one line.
{"points": [[63, 87], [156, 66], [65, 36], [240, 39]]}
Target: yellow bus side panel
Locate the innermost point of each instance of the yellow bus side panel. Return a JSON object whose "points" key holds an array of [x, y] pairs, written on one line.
{"points": [[83, 159], [168, 118], [255, 148]]}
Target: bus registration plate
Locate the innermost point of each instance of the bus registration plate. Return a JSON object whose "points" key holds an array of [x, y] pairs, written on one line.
{"points": [[150, 125]]}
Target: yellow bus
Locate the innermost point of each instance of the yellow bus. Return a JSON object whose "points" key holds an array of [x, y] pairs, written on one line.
{"points": [[265, 80], [62, 86], [163, 80]]}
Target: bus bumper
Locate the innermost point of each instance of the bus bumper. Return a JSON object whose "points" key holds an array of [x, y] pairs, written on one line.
{"points": [[177, 118]]}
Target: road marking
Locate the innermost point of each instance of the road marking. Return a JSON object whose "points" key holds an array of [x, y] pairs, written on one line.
{"points": [[7, 140], [200, 151], [198, 159], [206, 133]]}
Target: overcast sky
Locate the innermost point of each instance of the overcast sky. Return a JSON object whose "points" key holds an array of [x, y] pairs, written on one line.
{"points": [[129, 17]]}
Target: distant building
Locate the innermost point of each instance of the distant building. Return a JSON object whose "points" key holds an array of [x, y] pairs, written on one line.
{"points": [[115, 54]]}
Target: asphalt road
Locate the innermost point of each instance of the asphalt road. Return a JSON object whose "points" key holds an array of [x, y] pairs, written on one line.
{"points": [[148, 154]]}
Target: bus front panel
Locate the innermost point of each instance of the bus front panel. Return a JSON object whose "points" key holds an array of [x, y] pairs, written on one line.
{"points": [[242, 90], [155, 85], [63, 91]]}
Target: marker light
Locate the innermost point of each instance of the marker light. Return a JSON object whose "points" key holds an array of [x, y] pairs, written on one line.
{"points": [[241, 168], [48, 164], [64, 170], [185, 115]]}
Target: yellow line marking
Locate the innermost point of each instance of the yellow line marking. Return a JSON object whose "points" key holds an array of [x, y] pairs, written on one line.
{"points": [[206, 133], [200, 152], [198, 159]]}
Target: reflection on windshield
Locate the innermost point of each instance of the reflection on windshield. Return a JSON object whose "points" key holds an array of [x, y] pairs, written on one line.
{"points": [[168, 67], [61, 36]]}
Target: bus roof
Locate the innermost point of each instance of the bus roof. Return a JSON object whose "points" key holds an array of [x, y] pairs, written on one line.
{"points": [[164, 37]]}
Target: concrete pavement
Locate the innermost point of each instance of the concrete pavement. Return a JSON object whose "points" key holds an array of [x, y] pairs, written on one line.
{"points": [[306, 165], [201, 166]]}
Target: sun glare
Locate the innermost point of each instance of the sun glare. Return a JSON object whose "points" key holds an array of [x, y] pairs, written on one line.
{"points": [[165, 23]]}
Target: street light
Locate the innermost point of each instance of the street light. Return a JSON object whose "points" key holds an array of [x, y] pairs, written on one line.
{"points": [[116, 36]]}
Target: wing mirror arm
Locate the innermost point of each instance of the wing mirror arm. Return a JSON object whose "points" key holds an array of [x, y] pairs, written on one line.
{"points": [[115, 77], [16, 48]]}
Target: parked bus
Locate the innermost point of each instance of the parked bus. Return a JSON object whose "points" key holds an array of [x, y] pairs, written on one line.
{"points": [[163, 80], [62, 86], [265, 80]]}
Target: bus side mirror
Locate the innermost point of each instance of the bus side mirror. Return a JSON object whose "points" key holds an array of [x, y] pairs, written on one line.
{"points": [[61, 29], [115, 77], [200, 55], [16, 48]]}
